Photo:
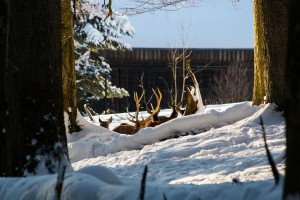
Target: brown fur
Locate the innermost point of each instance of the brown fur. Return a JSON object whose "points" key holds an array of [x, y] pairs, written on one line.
{"points": [[125, 129]]}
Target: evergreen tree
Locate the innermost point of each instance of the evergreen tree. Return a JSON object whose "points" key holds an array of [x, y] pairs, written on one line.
{"points": [[94, 31], [93, 77]]}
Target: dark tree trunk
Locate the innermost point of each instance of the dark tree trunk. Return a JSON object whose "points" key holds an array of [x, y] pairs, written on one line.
{"points": [[292, 180], [3, 63], [270, 35], [33, 88]]}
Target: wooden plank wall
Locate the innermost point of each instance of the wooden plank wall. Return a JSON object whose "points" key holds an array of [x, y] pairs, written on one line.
{"points": [[197, 56], [128, 66]]}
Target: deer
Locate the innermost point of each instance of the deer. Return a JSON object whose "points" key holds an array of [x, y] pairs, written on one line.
{"points": [[162, 119], [139, 124], [105, 124]]}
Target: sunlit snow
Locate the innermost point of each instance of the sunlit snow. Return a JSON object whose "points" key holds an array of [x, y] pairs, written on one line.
{"points": [[218, 154]]}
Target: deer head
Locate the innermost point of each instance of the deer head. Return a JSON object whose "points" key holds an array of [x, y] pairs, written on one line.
{"points": [[175, 109], [162, 119], [105, 124]]}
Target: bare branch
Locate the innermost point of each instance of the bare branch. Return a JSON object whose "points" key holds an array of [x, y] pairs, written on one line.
{"points": [[143, 184], [134, 7], [269, 155], [88, 112]]}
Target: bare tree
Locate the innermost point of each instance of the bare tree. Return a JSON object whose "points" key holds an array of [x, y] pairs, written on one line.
{"points": [[178, 62], [174, 59], [233, 84]]}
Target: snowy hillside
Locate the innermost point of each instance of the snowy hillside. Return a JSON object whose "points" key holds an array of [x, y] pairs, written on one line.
{"points": [[218, 154]]}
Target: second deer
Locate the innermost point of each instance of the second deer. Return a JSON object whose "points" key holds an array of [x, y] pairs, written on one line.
{"points": [[105, 124]]}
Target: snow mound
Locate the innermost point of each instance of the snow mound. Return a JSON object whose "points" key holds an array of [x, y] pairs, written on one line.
{"points": [[197, 123], [219, 155], [102, 173]]}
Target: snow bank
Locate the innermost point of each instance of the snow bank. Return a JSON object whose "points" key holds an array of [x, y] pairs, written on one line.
{"points": [[217, 156], [196, 123]]}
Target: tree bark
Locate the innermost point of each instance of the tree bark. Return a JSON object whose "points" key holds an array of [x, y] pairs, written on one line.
{"points": [[3, 65], [259, 90], [275, 35], [270, 35], [68, 63], [292, 180], [32, 89]]}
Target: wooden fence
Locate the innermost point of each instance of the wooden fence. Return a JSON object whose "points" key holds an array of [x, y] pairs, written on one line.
{"points": [[153, 64]]}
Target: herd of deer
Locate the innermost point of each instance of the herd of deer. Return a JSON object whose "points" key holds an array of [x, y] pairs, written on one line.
{"points": [[152, 120]]}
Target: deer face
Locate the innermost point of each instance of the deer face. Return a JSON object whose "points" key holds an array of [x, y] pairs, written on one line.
{"points": [[105, 124]]}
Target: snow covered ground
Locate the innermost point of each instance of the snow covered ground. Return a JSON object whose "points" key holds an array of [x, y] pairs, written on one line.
{"points": [[218, 154]]}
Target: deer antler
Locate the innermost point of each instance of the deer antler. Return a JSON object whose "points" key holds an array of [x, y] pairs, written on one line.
{"points": [[145, 122], [155, 112], [137, 100], [138, 103], [158, 100]]}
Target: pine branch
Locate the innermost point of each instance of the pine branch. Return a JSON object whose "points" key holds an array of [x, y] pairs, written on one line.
{"points": [[269, 155]]}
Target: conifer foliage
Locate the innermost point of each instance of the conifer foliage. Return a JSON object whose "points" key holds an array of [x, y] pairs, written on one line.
{"points": [[93, 31]]}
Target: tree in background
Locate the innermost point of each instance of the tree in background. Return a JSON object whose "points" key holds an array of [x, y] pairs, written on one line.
{"points": [[270, 42], [292, 112], [93, 77], [32, 123], [233, 84], [68, 66], [94, 30]]}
